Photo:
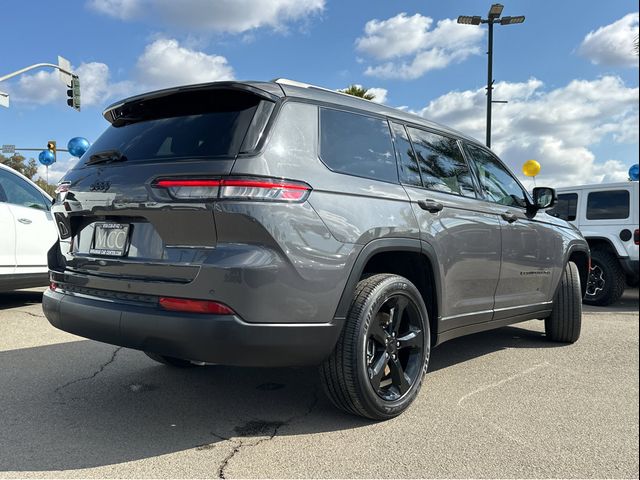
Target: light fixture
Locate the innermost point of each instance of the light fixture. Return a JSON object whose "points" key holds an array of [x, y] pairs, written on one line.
{"points": [[495, 11], [469, 20]]}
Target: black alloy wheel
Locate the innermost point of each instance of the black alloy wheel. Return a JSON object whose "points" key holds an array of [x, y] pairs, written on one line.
{"points": [[394, 349]]}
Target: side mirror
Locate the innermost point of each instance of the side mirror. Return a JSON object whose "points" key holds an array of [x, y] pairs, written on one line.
{"points": [[544, 197]]}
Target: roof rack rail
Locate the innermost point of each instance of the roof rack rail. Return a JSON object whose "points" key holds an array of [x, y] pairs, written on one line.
{"points": [[295, 83]]}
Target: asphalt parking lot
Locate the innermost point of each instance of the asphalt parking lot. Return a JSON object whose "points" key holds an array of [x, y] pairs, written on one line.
{"points": [[498, 404]]}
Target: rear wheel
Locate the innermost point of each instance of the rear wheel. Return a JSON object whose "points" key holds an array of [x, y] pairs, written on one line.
{"points": [[381, 357], [564, 323], [606, 279], [171, 361]]}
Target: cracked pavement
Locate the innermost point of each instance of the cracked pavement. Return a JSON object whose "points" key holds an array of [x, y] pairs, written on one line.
{"points": [[496, 404]]}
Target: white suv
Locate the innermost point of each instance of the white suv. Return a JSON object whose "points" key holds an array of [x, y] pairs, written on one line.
{"points": [[27, 231], [607, 216]]}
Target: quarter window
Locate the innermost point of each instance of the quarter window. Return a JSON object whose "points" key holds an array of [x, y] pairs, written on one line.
{"points": [[566, 206], [497, 183], [608, 205], [15, 190], [357, 145], [407, 163], [442, 165]]}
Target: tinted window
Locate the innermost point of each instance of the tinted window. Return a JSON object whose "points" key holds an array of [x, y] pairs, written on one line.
{"points": [[608, 205], [192, 125], [407, 164], [442, 165], [15, 190], [566, 206], [497, 183], [357, 145]]}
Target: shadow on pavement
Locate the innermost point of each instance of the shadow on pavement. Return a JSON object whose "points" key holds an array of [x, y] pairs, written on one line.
{"points": [[469, 347], [20, 298], [84, 404], [628, 303]]}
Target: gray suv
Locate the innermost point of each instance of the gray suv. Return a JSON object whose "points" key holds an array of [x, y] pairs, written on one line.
{"points": [[282, 224]]}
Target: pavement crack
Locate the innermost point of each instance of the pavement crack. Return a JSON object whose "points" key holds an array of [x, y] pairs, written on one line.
{"points": [[254, 426], [29, 313], [93, 375], [524, 373]]}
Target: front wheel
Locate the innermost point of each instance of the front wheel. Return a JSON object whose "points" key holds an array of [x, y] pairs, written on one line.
{"points": [[381, 357], [565, 321]]}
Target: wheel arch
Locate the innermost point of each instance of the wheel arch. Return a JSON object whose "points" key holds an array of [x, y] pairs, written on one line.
{"points": [[410, 258], [582, 258]]}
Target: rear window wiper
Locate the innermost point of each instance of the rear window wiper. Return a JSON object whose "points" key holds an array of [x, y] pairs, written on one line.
{"points": [[106, 156]]}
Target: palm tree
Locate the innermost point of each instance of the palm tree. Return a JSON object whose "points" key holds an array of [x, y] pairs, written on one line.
{"points": [[358, 91]]}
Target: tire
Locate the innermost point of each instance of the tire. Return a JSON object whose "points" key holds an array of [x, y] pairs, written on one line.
{"points": [[606, 281], [381, 357], [171, 361], [563, 325]]}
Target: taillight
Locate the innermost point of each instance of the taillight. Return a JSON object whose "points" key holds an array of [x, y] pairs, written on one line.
{"points": [[636, 237], [194, 306], [53, 286], [257, 189]]}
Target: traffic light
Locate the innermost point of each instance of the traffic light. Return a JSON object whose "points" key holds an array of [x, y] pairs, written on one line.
{"points": [[51, 146], [74, 93]]}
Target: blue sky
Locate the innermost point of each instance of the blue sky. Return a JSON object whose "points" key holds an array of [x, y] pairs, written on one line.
{"points": [[569, 72]]}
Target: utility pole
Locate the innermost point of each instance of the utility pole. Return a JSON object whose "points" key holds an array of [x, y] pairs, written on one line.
{"points": [[492, 18]]}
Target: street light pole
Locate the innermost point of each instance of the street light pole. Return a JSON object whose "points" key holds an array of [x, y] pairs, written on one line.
{"points": [[489, 83], [492, 18]]}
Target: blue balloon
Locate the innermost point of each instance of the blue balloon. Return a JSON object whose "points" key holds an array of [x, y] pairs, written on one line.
{"points": [[77, 146], [633, 172], [46, 157]]}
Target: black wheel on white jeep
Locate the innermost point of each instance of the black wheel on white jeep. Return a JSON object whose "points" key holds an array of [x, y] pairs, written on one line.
{"points": [[381, 357], [606, 279]]}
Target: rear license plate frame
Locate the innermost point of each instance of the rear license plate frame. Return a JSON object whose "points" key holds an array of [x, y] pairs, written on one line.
{"points": [[113, 243]]}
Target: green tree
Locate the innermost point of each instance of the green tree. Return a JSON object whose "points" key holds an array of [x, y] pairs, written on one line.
{"points": [[358, 91], [29, 169], [17, 162]]}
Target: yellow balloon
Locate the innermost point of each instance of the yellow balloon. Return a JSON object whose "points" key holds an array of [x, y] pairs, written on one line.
{"points": [[531, 168]]}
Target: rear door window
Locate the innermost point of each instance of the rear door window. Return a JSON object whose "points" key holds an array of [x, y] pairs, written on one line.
{"points": [[608, 205], [566, 207], [442, 166], [202, 124], [357, 145]]}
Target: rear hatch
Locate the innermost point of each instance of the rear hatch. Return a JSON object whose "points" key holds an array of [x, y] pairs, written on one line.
{"points": [[114, 221]]}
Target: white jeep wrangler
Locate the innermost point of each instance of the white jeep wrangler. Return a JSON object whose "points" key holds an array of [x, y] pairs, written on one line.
{"points": [[607, 216]]}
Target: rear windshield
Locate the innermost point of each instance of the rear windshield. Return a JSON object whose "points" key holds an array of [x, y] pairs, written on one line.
{"points": [[197, 124]]}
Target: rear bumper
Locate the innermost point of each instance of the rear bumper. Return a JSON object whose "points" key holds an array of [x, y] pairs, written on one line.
{"points": [[219, 339]]}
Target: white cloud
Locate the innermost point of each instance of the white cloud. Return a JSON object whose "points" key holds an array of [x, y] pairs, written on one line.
{"points": [[411, 48], [379, 94], [44, 87], [556, 127], [165, 63], [613, 44], [231, 16]]}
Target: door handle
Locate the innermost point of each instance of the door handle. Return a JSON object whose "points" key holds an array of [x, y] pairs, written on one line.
{"points": [[509, 217], [26, 221], [430, 205]]}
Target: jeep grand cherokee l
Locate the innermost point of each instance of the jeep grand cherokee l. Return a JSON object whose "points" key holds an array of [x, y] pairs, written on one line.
{"points": [[281, 224]]}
